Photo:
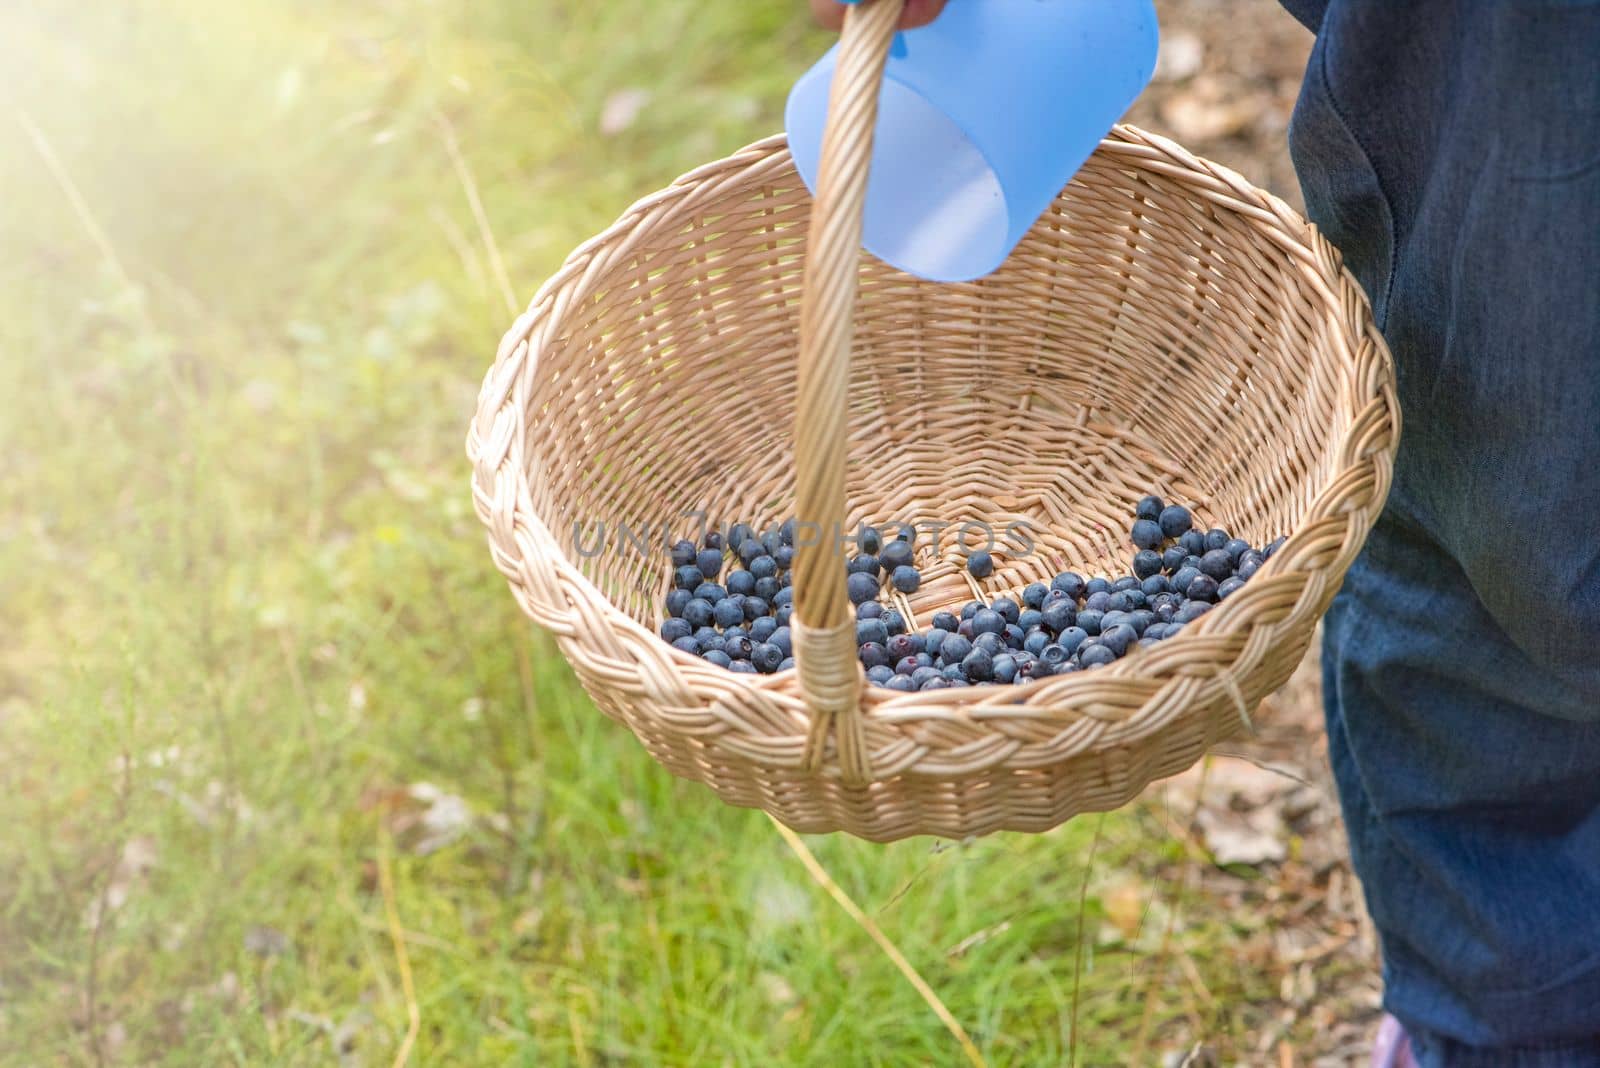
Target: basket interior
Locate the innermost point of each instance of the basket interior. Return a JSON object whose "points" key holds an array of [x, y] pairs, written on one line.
{"points": [[1140, 339]]}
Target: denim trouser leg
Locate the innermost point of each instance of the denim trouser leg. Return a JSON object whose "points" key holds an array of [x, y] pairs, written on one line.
{"points": [[1452, 152]]}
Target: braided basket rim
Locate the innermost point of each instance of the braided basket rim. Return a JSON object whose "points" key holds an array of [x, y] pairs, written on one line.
{"points": [[1182, 671]]}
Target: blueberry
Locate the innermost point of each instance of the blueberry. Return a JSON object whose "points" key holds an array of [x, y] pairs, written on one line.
{"points": [[1089, 620], [1155, 586], [1191, 611], [1035, 669], [1059, 615], [740, 533], [1029, 618], [906, 579], [978, 666], [708, 637], [784, 613], [1250, 563], [677, 601], [1216, 564], [743, 667], [1172, 558], [717, 657], [741, 582], [906, 665], [896, 554], [1193, 543], [787, 665], [1098, 602], [993, 644], [932, 640], [869, 610], [783, 638], [714, 539], [1155, 632], [1126, 582], [1006, 608], [1166, 612], [1096, 585], [784, 555], [673, 628], [971, 609], [900, 684], [1037, 641], [935, 684], [754, 608], [953, 672], [1114, 619], [738, 646], [862, 588], [946, 621], [683, 553], [1072, 638], [872, 655], [1118, 638], [1142, 620], [1125, 601], [784, 596], [749, 549], [1236, 548], [988, 621], [700, 613], [1175, 521], [1004, 669], [871, 630], [1054, 655], [879, 674], [980, 564], [709, 561], [869, 540], [1033, 596], [766, 657], [1098, 656], [1014, 635], [786, 531], [1228, 587], [1149, 508], [901, 646], [729, 612], [1203, 588], [1184, 578], [1272, 547], [764, 567], [687, 577], [1216, 538], [1071, 584], [894, 621], [1172, 630], [954, 649], [865, 564], [1147, 534], [923, 674], [710, 591], [767, 588]]}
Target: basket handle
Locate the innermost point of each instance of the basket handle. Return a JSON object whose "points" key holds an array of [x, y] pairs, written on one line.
{"points": [[824, 634]]}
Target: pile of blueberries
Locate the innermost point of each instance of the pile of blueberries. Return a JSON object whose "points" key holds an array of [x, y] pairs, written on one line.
{"points": [[1073, 624]]}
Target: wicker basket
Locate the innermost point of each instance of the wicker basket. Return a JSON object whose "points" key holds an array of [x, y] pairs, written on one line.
{"points": [[725, 349]]}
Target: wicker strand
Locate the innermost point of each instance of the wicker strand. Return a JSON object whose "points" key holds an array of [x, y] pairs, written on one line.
{"points": [[830, 678]]}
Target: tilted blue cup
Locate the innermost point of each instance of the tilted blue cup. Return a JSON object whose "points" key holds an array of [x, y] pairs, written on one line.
{"points": [[984, 115]]}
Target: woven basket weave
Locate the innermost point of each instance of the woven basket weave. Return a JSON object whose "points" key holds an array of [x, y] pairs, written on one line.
{"points": [[726, 350]]}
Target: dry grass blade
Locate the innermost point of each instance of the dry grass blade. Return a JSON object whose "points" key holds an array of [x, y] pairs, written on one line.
{"points": [[402, 961], [890, 950]]}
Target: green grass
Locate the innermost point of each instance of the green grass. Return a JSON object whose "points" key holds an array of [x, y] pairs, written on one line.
{"points": [[244, 603]]}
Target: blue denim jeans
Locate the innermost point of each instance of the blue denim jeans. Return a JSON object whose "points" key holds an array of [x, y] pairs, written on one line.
{"points": [[1451, 149]]}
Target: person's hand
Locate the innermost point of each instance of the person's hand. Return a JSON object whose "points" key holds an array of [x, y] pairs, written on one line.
{"points": [[917, 13]]}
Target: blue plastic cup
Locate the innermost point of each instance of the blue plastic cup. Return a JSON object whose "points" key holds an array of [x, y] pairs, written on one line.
{"points": [[984, 116]]}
